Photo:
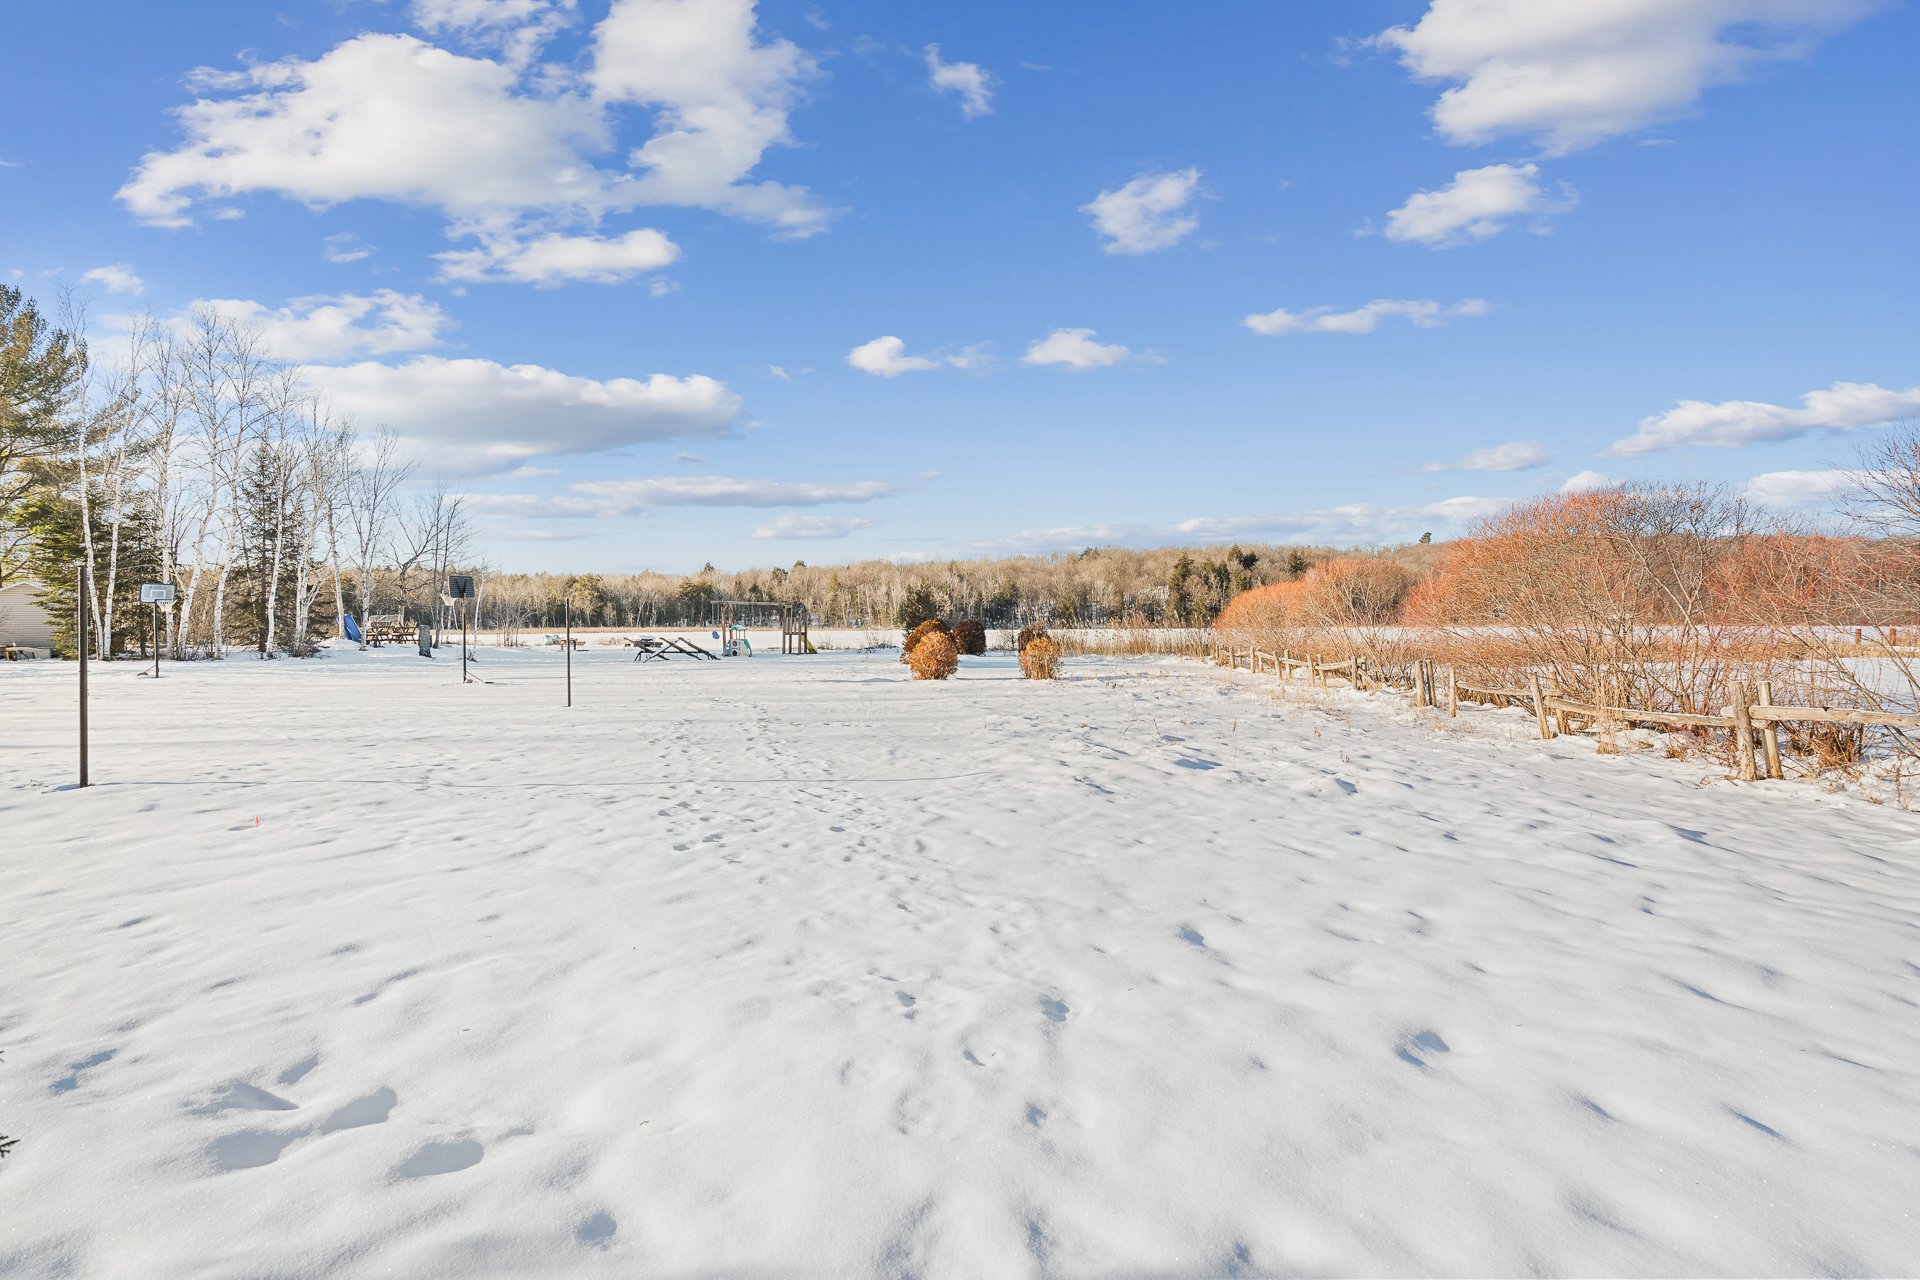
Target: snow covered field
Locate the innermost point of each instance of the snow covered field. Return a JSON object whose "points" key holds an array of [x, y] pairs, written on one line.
{"points": [[795, 966]]}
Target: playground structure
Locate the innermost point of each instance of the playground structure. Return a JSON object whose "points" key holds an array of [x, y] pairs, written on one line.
{"points": [[737, 615]]}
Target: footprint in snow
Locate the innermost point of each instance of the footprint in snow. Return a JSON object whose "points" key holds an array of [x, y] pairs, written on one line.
{"points": [[297, 1072], [441, 1157], [596, 1230], [372, 1109], [1425, 1042], [238, 1095], [68, 1083], [1055, 1010], [1190, 934], [250, 1148]]}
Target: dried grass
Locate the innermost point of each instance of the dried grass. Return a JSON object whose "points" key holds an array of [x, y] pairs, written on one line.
{"points": [[1040, 659]]}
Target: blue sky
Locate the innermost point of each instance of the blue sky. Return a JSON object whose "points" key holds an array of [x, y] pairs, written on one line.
{"points": [[1152, 272]]}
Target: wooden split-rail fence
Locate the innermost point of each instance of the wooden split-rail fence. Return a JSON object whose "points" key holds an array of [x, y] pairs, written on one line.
{"points": [[1751, 718]]}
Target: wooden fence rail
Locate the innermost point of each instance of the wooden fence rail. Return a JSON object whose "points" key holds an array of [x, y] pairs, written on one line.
{"points": [[1752, 711]]}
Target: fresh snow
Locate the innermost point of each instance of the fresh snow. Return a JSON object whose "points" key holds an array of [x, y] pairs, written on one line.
{"points": [[793, 965]]}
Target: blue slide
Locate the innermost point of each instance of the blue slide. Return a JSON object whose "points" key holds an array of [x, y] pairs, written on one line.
{"points": [[353, 629]]}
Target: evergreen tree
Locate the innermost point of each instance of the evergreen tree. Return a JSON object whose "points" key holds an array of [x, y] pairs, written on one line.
{"points": [[270, 544], [917, 605], [40, 372], [55, 551], [1180, 602]]}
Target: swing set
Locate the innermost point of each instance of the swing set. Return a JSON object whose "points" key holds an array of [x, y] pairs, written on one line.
{"points": [[737, 615]]}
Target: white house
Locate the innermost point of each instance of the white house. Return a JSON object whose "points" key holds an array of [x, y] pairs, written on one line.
{"points": [[24, 624]]}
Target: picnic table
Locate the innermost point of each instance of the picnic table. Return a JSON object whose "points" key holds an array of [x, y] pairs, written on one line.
{"points": [[391, 628], [661, 648]]}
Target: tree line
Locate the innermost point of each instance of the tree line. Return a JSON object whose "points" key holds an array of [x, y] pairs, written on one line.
{"points": [[1098, 586], [186, 453]]}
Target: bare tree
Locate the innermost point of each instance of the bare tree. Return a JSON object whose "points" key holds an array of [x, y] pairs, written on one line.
{"points": [[374, 475], [437, 535]]}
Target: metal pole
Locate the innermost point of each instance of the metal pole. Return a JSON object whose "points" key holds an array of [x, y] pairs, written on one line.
{"points": [[156, 640], [569, 606], [80, 585], [463, 645]]}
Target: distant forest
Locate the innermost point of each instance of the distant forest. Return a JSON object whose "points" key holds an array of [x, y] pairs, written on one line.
{"points": [[1100, 585]]}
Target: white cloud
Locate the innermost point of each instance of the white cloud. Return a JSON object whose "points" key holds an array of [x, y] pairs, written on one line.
{"points": [[794, 525], [1358, 523], [1585, 482], [1799, 490], [1845, 406], [1515, 455], [963, 78], [1423, 314], [344, 247], [973, 359], [886, 358], [538, 535], [720, 98], [1477, 204], [493, 148], [517, 28], [1576, 72], [557, 258], [476, 415], [722, 491], [602, 499], [1074, 349], [1150, 212], [116, 277], [338, 326], [383, 117]]}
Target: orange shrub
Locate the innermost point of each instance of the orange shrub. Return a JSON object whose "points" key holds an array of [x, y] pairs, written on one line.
{"points": [[969, 638], [932, 626], [934, 657]]}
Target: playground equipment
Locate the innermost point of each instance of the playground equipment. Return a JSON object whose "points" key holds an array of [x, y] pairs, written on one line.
{"points": [[737, 615]]}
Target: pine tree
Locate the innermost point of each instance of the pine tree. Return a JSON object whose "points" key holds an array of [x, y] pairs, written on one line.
{"points": [[260, 596], [1180, 589]]}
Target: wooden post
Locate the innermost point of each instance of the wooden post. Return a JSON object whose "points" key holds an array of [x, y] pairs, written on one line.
{"points": [[1540, 710], [80, 598], [1353, 670], [1742, 713], [1770, 734], [1453, 693]]}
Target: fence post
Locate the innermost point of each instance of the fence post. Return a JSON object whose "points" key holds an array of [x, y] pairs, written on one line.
{"points": [[1353, 669], [1453, 693], [1770, 734], [1540, 710], [1742, 713]]}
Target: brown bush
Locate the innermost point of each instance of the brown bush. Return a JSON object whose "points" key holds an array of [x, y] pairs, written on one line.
{"points": [[932, 626], [934, 658], [1028, 634], [969, 638], [1040, 659]]}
